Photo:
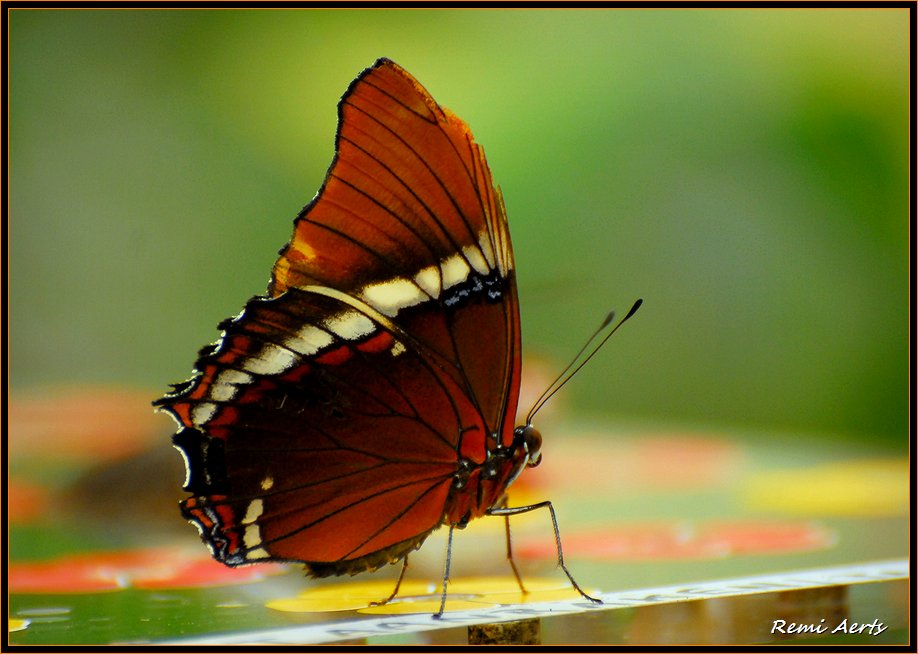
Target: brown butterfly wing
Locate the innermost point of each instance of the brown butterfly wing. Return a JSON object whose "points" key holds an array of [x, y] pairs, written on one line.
{"points": [[328, 423]]}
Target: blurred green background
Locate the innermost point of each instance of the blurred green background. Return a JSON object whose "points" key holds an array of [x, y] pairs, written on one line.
{"points": [[744, 171]]}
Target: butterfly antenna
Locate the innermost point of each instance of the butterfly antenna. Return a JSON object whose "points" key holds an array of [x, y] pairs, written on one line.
{"points": [[567, 373], [551, 387]]}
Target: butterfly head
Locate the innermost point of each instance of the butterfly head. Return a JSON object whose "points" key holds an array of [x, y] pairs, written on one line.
{"points": [[526, 451], [530, 439]]}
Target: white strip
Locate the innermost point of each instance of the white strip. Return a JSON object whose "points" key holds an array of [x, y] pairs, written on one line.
{"points": [[272, 360], [226, 385], [252, 537], [257, 553], [222, 392], [474, 256], [236, 377], [309, 340], [389, 625], [393, 295], [254, 511], [430, 281], [484, 241], [455, 271], [202, 413], [349, 325]]}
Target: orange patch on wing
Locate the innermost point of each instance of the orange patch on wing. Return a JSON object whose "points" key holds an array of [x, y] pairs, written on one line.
{"points": [[226, 416], [203, 383], [299, 373], [238, 345], [183, 411], [378, 343], [335, 357]]}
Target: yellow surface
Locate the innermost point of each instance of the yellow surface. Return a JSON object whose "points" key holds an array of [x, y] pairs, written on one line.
{"points": [[423, 596], [348, 596], [864, 487], [17, 625]]}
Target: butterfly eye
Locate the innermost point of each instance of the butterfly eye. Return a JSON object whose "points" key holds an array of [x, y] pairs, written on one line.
{"points": [[532, 438]]}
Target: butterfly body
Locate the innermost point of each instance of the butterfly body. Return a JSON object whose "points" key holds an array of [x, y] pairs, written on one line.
{"points": [[369, 397]]}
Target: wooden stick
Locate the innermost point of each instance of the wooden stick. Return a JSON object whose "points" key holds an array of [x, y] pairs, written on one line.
{"points": [[522, 632]]}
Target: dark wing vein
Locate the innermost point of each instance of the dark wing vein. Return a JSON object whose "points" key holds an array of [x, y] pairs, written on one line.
{"points": [[293, 532]]}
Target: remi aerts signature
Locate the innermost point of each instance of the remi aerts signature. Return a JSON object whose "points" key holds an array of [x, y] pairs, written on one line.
{"points": [[874, 628]]}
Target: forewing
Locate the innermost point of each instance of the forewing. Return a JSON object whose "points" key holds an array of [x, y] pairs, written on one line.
{"points": [[409, 221]]}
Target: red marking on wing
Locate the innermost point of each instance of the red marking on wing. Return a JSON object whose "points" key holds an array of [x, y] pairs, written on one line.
{"points": [[335, 357], [379, 342]]}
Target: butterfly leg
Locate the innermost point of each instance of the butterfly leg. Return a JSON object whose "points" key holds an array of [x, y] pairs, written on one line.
{"points": [[398, 583], [516, 573], [449, 555], [516, 510]]}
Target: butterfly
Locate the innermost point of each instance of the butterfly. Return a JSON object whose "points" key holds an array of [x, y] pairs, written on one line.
{"points": [[370, 396]]}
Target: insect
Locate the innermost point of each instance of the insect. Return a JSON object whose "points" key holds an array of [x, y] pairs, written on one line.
{"points": [[369, 397]]}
